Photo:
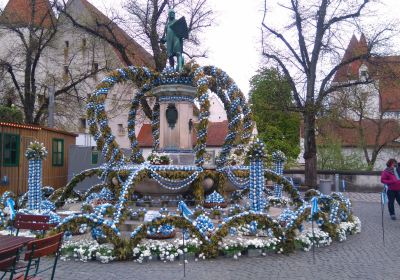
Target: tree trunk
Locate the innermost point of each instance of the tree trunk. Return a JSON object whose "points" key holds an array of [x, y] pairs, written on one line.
{"points": [[310, 150]]}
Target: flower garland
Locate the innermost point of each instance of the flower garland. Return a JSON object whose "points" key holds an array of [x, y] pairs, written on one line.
{"points": [[124, 194], [155, 125], [97, 117], [288, 186], [235, 105], [136, 155], [201, 77], [279, 159], [211, 237], [174, 184], [170, 76], [201, 82], [47, 205], [91, 220], [238, 182], [60, 196]]}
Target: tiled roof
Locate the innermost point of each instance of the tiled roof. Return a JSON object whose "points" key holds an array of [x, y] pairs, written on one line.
{"points": [[145, 137], [347, 132], [217, 132], [36, 127], [350, 71], [136, 53], [385, 69], [19, 12]]}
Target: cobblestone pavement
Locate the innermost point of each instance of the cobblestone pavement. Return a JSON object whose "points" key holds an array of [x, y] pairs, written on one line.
{"points": [[370, 197], [362, 256]]}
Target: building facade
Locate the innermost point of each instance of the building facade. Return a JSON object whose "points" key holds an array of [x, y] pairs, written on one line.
{"points": [[15, 139], [366, 115], [72, 62]]}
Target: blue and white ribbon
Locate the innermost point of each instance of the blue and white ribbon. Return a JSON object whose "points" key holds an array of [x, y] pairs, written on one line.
{"points": [[186, 212], [383, 197], [314, 206], [11, 204]]}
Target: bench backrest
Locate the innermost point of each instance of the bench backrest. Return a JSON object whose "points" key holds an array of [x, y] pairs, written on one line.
{"points": [[9, 256], [32, 222], [43, 247]]}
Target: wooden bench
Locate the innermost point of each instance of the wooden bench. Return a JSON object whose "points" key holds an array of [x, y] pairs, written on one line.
{"points": [[35, 250], [8, 259]]}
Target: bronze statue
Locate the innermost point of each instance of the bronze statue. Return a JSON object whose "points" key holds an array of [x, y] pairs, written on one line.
{"points": [[175, 32]]}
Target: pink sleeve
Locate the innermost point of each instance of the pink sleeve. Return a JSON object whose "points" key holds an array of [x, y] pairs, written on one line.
{"points": [[387, 179]]}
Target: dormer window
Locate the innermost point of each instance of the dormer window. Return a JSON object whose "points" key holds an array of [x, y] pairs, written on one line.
{"points": [[363, 72]]}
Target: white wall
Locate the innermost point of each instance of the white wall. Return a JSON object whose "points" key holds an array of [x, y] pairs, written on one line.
{"points": [[384, 155], [217, 111]]}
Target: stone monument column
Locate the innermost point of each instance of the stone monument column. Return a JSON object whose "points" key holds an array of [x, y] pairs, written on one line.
{"points": [[176, 117]]}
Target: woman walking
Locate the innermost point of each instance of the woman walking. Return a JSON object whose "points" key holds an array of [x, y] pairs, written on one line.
{"points": [[388, 177]]}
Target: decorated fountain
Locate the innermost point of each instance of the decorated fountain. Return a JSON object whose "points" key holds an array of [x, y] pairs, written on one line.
{"points": [[120, 226]]}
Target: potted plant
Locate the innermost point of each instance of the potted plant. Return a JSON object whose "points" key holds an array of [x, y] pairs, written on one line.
{"points": [[158, 158]]}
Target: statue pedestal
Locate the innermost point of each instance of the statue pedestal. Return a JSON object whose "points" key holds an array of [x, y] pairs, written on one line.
{"points": [[176, 119]]}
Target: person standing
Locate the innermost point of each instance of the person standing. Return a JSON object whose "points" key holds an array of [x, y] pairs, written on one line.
{"points": [[388, 177]]}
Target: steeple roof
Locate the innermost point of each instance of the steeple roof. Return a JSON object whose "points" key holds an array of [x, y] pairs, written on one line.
{"points": [[26, 12], [354, 49], [136, 53]]}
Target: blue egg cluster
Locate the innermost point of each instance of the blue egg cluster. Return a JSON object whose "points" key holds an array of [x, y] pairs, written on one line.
{"points": [[203, 224], [279, 159], [97, 233], [47, 205], [215, 197], [164, 230], [106, 194], [35, 184], [253, 226], [257, 182]]}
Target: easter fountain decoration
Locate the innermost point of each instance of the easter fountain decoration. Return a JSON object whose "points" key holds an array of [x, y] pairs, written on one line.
{"points": [[252, 224]]}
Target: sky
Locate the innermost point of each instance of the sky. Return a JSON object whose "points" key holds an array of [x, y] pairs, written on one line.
{"points": [[233, 43]]}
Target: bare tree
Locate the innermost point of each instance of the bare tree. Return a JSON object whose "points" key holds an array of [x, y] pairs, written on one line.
{"points": [[308, 50], [28, 63], [360, 109], [149, 18]]}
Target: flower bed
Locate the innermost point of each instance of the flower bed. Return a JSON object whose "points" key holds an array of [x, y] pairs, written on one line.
{"points": [[85, 250]]}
